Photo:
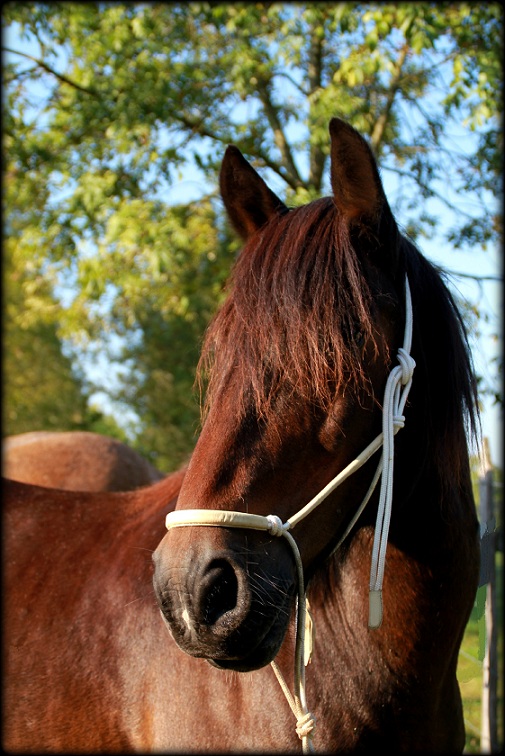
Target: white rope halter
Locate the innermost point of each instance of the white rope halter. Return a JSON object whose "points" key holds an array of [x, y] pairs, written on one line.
{"points": [[395, 396]]}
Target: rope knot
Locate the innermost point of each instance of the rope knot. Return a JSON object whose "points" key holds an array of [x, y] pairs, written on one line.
{"points": [[398, 422], [305, 725], [276, 527], [407, 364]]}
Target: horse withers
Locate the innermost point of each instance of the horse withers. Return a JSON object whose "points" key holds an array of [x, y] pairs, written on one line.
{"points": [[308, 364]]}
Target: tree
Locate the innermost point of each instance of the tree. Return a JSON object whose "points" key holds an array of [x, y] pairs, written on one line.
{"points": [[42, 388], [128, 96]]}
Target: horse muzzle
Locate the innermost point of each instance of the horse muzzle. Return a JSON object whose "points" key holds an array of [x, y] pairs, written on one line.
{"points": [[231, 606]]}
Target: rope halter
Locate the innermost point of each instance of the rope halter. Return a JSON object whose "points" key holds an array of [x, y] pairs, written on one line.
{"points": [[395, 396]]}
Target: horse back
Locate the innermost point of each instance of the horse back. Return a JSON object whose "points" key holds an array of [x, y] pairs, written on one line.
{"points": [[75, 461]]}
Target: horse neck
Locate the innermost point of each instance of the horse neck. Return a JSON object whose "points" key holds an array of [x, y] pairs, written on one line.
{"points": [[431, 565]]}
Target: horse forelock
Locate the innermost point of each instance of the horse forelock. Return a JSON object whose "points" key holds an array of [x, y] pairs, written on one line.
{"points": [[298, 299]]}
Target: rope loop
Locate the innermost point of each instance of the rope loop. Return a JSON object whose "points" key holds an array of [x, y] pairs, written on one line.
{"points": [[275, 525], [398, 422], [305, 725], [407, 364]]}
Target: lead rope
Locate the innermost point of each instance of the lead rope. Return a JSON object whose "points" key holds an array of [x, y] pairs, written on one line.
{"points": [[393, 419], [305, 721]]}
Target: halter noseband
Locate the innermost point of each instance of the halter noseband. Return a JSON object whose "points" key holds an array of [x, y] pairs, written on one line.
{"points": [[395, 396]]}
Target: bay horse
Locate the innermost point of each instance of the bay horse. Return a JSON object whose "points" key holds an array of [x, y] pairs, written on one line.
{"points": [[75, 461], [309, 375]]}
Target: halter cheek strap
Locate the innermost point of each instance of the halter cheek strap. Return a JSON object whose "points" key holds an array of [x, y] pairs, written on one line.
{"points": [[395, 396]]}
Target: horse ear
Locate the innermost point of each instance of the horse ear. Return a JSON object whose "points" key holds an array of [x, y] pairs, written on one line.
{"points": [[248, 200], [357, 188], [355, 179]]}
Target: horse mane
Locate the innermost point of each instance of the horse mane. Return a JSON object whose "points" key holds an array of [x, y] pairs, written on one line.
{"points": [[298, 301], [444, 388]]}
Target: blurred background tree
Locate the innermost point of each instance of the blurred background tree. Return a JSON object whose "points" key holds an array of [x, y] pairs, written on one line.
{"points": [[109, 282]]}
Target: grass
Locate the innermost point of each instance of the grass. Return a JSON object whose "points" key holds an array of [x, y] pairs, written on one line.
{"points": [[470, 665]]}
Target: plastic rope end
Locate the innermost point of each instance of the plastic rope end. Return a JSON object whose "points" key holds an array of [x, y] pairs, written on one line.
{"points": [[375, 609]]}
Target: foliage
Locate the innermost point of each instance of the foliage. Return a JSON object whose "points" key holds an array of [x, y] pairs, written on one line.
{"points": [[42, 389], [116, 101], [170, 311]]}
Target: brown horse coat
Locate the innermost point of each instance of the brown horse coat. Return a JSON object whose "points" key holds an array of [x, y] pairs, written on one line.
{"points": [[75, 461]]}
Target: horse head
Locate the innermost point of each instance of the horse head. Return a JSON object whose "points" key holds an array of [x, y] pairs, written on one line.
{"points": [[296, 361]]}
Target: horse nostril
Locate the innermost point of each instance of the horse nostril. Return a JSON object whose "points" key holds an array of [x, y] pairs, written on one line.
{"points": [[219, 591]]}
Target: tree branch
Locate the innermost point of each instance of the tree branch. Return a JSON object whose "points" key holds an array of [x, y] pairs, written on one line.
{"points": [[429, 191], [46, 67], [474, 276], [381, 123], [292, 177], [196, 126], [315, 67]]}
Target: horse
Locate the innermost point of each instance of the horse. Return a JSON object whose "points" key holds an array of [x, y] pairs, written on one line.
{"points": [[75, 461], [339, 393]]}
